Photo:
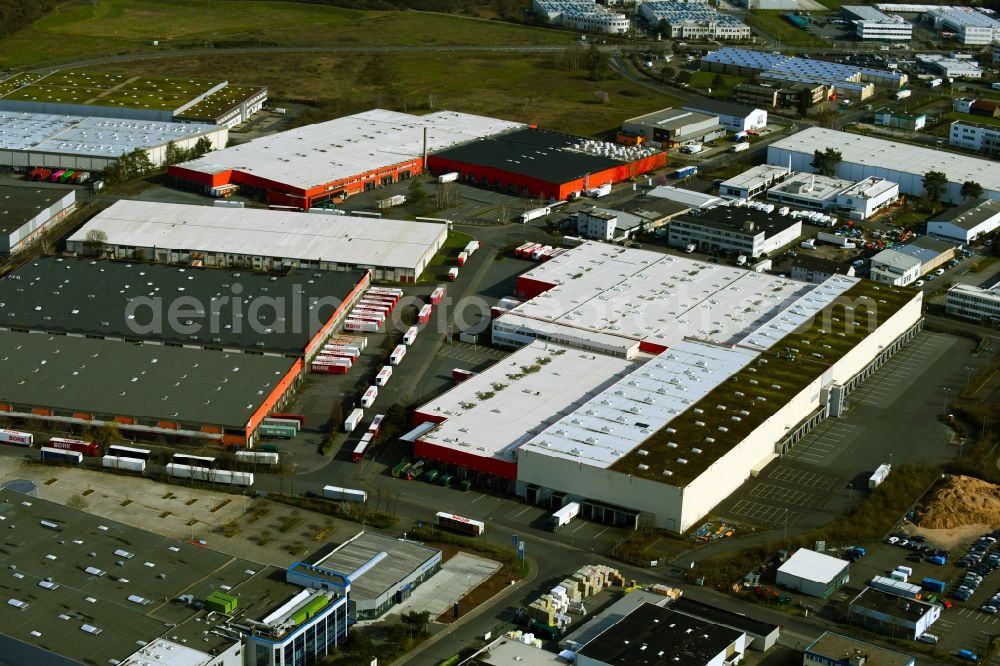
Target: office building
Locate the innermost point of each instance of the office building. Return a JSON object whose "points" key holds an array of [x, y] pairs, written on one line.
{"points": [[932, 252], [832, 649], [583, 16], [817, 270], [734, 117], [974, 136], [691, 20], [953, 68], [975, 303], [895, 268], [969, 26], [814, 574], [734, 229], [908, 122], [893, 615], [753, 182], [871, 24]]}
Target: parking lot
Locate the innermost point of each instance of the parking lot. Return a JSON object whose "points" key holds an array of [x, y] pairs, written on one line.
{"points": [[827, 470]]}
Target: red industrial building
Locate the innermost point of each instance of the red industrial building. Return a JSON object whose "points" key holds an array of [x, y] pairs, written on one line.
{"points": [[543, 164], [329, 161]]}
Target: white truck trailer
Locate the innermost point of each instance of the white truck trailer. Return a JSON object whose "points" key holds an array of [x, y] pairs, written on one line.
{"points": [[563, 516]]}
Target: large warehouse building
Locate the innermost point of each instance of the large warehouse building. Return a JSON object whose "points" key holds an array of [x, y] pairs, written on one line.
{"points": [[328, 161], [903, 163], [731, 383], [548, 165], [144, 389], [91, 600], [255, 312], [92, 143], [124, 96], [264, 240], [26, 211]]}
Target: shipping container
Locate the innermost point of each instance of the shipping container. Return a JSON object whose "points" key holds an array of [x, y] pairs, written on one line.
{"points": [[56, 175], [298, 417], [437, 296], [903, 94], [896, 587], [364, 314], [16, 438], [193, 461], [460, 375], [382, 378], [360, 326], [452, 274], [598, 192], [89, 449], [390, 202], [462, 258], [397, 355], [410, 335], [123, 463], [933, 584], [329, 368], [346, 494], [368, 399], [258, 457], [267, 431], [60, 455], [290, 423], [225, 476], [353, 419], [519, 250], [424, 315], [392, 291], [686, 172], [123, 451]]}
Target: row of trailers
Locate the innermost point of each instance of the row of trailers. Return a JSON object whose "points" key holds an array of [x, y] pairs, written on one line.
{"points": [[537, 251], [68, 176], [368, 315]]}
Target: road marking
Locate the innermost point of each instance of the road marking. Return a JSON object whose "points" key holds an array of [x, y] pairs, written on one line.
{"points": [[522, 511], [477, 499], [601, 532], [579, 527]]}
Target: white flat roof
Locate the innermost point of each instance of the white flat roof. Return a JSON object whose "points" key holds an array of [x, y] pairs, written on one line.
{"points": [[813, 566], [686, 197], [895, 259], [811, 186], [893, 156], [269, 233], [799, 312], [621, 417], [496, 426], [314, 155], [657, 297], [88, 135], [870, 188], [756, 176], [163, 652]]}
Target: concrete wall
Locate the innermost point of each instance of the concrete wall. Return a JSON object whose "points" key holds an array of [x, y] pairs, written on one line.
{"points": [[33, 228], [858, 358]]}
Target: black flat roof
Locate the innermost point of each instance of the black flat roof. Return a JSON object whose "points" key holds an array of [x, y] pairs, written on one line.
{"points": [[970, 214], [738, 220], [718, 107], [148, 382], [654, 635], [20, 203], [90, 297], [718, 615], [534, 153]]}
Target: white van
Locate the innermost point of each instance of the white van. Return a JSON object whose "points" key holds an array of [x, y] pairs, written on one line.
{"points": [[928, 638]]}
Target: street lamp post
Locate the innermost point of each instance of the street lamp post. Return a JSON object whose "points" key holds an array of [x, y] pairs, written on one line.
{"points": [[850, 496]]}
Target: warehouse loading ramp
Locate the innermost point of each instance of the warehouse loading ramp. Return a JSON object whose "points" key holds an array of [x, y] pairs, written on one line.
{"points": [[418, 432]]}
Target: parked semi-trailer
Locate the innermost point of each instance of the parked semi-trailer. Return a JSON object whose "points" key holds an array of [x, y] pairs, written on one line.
{"points": [[563, 516], [460, 375], [123, 463], [353, 419], [424, 315], [452, 274], [686, 172], [534, 214], [449, 177], [338, 366], [60, 455], [879, 476], [382, 378], [360, 326], [397, 355], [225, 476], [258, 457], [89, 449], [740, 147], [410, 335], [376, 424], [16, 438], [437, 296], [368, 399], [348, 494]]}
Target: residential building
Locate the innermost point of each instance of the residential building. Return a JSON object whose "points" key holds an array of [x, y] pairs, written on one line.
{"points": [[812, 573], [910, 122], [967, 223], [970, 26], [931, 252], [871, 24], [817, 270], [973, 136], [895, 268], [675, 127], [971, 302], [832, 649], [891, 614], [736, 230], [29, 210], [734, 117], [583, 16], [903, 163], [691, 20], [672, 637]]}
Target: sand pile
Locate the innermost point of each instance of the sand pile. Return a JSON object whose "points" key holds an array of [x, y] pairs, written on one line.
{"points": [[961, 500]]}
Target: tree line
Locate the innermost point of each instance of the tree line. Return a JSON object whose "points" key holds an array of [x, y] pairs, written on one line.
{"points": [[17, 14], [509, 10], [137, 164]]}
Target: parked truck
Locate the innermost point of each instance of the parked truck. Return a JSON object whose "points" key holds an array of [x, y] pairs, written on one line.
{"points": [[839, 241], [390, 202], [903, 94], [934, 83], [534, 214], [598, 192], [690, 247], [452, 274], [353, 419], [449, 177], [563, 516], [740, 147], [879, 476], [686, 172], [344, 494]]}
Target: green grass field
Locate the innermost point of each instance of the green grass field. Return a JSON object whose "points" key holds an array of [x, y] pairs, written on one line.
{"points": [[704, 80], [78, 30], [519, 87], [970, 118], [777, 27]]}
